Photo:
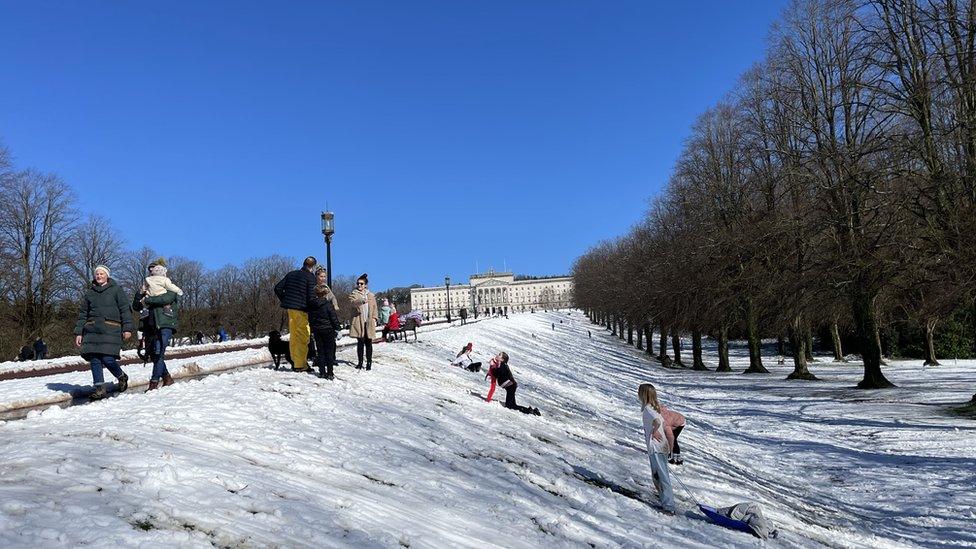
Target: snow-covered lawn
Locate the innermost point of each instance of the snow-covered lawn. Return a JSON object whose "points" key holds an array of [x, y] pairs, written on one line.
{"points": [[409, 455]]}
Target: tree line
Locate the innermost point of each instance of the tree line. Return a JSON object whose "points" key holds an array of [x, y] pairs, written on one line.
{"points": [[831, 192], [49, 249]]}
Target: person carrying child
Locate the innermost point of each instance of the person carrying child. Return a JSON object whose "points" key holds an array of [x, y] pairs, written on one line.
{"points": [[325, 325], [501, 374], [464, 360], [657, 444]]}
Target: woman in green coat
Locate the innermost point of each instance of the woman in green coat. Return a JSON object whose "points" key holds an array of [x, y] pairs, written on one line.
{"points": [[104, 320]]}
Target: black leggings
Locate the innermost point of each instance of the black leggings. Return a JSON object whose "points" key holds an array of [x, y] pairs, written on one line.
{"points": [[510, 399], [676, 431], [366, 342]]}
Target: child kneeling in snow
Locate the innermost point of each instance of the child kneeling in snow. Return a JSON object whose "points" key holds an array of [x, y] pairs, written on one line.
{"points": [[464, 360], [657, 444], [500, 373]]}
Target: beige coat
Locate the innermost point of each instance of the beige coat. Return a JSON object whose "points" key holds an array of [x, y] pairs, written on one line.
{"points": [[360, 327]]}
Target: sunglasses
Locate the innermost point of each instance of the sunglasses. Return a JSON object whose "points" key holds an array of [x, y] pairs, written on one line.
{"points": [[360, 284]]}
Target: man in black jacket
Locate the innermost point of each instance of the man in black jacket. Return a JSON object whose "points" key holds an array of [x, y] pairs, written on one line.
{"points": [[296, 291]]}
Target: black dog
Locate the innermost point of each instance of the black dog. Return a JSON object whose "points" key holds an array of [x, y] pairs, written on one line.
{"points": [[278, 348]]}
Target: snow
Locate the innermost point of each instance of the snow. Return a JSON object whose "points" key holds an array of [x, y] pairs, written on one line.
{"points": [[410, 455], [32, 365]]}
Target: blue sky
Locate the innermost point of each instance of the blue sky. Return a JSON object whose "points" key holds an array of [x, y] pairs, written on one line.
{"points": [[443, 135]]}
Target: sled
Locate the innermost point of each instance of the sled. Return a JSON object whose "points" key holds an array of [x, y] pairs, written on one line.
{"points": [[722, 520]]}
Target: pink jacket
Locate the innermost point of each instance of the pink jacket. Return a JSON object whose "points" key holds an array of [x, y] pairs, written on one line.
{"points": [[672, 420]]}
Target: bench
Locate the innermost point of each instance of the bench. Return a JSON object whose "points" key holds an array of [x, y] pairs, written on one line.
{"points": [[408, 324]]}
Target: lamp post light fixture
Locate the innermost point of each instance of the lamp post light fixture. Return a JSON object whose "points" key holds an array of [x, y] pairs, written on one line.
{"points": [[447, 283], [328, 229]]}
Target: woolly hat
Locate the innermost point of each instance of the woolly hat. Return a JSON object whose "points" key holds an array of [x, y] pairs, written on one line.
{"points": [[103, 268], [161, 261]]}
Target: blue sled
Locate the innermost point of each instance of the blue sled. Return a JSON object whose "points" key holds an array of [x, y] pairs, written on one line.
{"points": [[725, 521]]}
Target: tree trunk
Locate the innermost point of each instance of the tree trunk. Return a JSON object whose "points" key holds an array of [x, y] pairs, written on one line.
{"points": [[755, 344], [620, 329], [650, 338], [866, 326], [723, 350], [676, 345], [663, 346], [798, 341], [930, 359], [838, 349], [696, 350], [780, 345], [808, 348], [613, 327], [640, 337], [630, 333], [877, 343]]}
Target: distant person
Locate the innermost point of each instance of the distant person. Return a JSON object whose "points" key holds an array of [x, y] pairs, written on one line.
{"points": [[384, 316], [464, 360], [363, 325], [657, 444], [26, 353], [40, 349], [463, 313], [295, 291], [104, 321], [198, 338], [501, 374], [589, 334], [158, 283], [160, 324], [392, 324], [221, 334], [325, 325], [554, 326]]}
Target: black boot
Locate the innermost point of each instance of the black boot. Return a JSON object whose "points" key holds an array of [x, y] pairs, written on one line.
{"points": [[99, 393], [359, 366], [123, 383], [369, 365]]}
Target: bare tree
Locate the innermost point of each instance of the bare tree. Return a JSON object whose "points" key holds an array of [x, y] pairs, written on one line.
{"points": [[94, 242], [36, 225]]}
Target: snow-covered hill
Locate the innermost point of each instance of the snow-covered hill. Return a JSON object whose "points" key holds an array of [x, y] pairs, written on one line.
{"points": [[410, 454]]}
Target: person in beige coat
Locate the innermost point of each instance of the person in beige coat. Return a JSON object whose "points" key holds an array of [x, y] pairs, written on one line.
{"points": [[321, 278], [363, 324]]}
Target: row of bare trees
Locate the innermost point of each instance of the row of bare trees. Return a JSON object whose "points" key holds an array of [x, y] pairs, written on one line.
{"points": [[834, 188], [49, 249]]}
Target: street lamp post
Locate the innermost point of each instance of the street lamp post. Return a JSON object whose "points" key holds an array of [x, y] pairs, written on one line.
{"points": [[328, 229], [447, 282]]}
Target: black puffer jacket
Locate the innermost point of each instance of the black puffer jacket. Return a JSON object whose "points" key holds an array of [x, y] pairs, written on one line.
{"points": [[296, 290], [322, 316]]}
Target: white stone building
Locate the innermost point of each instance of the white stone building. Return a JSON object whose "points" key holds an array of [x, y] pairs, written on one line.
{"points": [[495, 293]]}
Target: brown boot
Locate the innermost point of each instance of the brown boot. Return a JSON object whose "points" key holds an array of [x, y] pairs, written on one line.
{"points": [[167, 380], [153, 385]]}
